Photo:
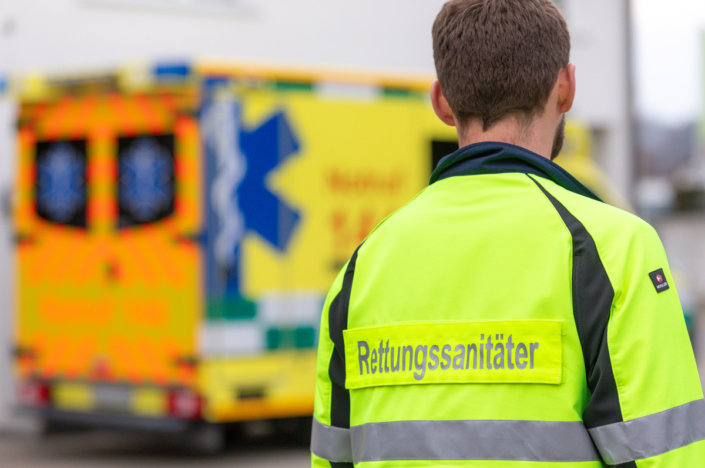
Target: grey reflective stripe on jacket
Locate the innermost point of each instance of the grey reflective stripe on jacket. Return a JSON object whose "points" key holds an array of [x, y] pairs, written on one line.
{"points": [[549, 441], [651, 435], [331, 443]]}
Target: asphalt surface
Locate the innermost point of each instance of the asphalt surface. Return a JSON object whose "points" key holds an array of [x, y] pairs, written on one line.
{"points": [[111, 450]]}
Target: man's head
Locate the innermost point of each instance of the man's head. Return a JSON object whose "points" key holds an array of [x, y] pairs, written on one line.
{"points": [[500, 60]]}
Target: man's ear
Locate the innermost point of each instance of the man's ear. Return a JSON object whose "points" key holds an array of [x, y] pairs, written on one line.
{"points": [[440, 104], [566, 88]]}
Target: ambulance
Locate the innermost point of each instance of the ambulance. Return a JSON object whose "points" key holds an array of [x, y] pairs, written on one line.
{"points": [[177, 227]]}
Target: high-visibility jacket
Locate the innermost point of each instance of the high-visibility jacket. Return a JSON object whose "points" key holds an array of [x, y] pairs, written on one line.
{"points": [[506, 317]]}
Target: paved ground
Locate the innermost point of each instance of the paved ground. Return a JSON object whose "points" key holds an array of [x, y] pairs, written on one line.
{"points": [[112, 450]]}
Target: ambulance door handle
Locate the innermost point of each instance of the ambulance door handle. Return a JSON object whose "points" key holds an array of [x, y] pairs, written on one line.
{"points": [[112, 271], [191, 238], [22, 238]]}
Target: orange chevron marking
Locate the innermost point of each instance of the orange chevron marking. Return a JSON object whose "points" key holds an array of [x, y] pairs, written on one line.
{"points": [[86, 268], [38, 271], [131, 269], [102, 168], [130, 365], [168, 227], [122, 113], [154, 250], [119, 292], [106, 116], [156, 120], [129, 242], [78, 117], [185, 375], [51, 126], [77, 311], [155, 358], [65, 251], [50, 355], [169, 102], [146, 312], [26, 139], [71, 123], [85, 109], [79, 354]]}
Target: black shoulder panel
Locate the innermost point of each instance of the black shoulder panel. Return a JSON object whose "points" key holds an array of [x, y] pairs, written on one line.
{"points": [[631, 464], [592, 302], [337, 322]]}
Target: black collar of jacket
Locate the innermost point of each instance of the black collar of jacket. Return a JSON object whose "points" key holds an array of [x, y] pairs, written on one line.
{"points": [[500, 158]]}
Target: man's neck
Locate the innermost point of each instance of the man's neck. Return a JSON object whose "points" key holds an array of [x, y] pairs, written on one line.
{"points": [[534, 137]]}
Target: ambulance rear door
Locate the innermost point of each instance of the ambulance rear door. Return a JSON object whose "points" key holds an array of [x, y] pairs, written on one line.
{"points": [[107, 220]]}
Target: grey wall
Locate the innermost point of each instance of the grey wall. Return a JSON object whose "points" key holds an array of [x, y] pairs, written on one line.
{"points": [[7, 112], [50, 34], [600, 52]]}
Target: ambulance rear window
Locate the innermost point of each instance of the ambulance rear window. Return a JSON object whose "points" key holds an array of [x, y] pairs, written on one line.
{"points": [[145, 179], [60, 182]]}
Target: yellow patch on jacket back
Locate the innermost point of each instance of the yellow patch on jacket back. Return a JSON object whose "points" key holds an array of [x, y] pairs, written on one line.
{"points": [[507, 351]]}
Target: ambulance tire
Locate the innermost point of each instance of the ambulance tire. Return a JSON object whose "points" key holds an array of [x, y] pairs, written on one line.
{"points": [[48, 428], [208, 439]]}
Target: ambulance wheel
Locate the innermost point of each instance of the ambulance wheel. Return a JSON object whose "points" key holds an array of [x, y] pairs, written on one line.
{"points": [[208, 439], [47, 428]]}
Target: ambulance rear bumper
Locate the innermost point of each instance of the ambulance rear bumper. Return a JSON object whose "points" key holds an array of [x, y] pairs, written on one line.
{"points": [[109, 421]]}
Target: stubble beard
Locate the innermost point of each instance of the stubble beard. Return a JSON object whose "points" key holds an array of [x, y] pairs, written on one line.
{"points": [[558, 139]]}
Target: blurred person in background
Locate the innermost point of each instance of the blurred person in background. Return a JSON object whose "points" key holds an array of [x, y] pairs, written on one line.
{"points": [[506, 313]]}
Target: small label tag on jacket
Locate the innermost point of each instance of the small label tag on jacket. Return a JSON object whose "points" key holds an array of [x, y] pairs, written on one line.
{"points": [[659, 280], [508, 351]]}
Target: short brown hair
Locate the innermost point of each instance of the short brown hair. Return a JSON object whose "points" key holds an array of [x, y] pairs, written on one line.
{"points": [[495, 58]]}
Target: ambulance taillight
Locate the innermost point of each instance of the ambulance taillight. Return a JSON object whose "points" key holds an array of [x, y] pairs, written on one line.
{"points": [[185, 404], [34, 394]]}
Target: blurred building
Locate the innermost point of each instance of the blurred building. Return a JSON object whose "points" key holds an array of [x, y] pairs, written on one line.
{"points": [[72, 35], [672, 164], [600, 32]]}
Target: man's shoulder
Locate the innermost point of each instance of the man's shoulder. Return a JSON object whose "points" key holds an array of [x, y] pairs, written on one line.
{"points": [[610, 227]]}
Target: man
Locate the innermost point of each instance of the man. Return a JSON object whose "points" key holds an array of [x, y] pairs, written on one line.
{"points": [[506, 316]]}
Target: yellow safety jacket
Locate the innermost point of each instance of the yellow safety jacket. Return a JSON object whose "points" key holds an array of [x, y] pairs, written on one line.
{"points": [[506, 317]]}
